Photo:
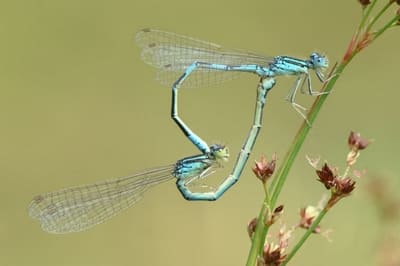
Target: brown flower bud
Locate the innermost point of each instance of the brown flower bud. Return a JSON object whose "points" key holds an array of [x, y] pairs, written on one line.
{"points": [[355, 141], [364, 3], [264, 169], [326, 176]]}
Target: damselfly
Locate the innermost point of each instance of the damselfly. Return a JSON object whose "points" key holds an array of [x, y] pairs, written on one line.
{"points": [[79, 208], [188, 62]]}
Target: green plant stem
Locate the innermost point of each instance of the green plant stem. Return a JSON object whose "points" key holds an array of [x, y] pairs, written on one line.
{"points": [[283, 171], [387, 26], [380, 13], [365, 17], [261, 229], [267, 199], [302, 134], [258, 239], [303, 239]]}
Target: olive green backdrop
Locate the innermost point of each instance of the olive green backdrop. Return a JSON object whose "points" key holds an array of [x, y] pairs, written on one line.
{"points": [[77, 105]]}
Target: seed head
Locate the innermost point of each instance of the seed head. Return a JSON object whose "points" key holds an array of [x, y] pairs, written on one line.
{"points": [[264, 169]]}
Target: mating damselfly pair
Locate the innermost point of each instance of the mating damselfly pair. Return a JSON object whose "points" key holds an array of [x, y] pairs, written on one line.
{"points": [[181, 62]]}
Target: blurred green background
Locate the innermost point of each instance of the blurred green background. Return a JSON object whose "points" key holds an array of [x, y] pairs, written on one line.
{"points": [[78, 105]]}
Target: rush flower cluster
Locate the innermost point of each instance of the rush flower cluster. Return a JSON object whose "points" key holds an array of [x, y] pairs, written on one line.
{"points": [[264, 169], [342, 186]]}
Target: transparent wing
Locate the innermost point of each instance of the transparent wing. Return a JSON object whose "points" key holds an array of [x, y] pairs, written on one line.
{"points": [[79, 208], [172, 53]]}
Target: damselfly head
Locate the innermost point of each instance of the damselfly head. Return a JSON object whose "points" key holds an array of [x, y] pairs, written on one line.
{"points": [[319, 61], [220, 152]]}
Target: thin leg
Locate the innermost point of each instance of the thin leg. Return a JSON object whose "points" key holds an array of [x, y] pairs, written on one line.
{"points": [[299, 83], [263, 88], [310, 90], [293, 91]]}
